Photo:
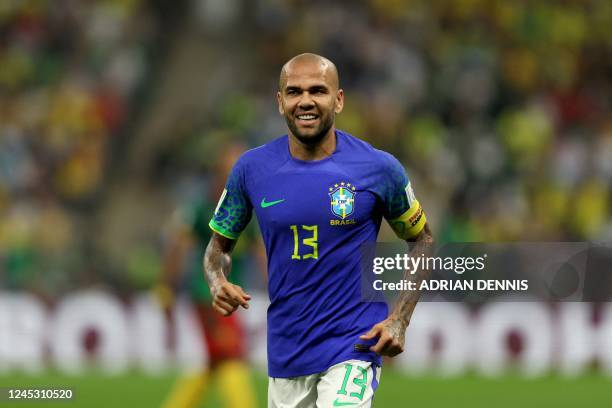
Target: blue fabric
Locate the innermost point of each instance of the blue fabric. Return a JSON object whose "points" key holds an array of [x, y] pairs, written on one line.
{"points": [[374, 380], [315, 315]]}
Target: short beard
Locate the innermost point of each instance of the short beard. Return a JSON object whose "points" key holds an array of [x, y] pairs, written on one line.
{"points": [[310, 140]]}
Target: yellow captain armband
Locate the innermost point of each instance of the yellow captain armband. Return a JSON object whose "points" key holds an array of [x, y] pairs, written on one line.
{"points": [[411, 223]]}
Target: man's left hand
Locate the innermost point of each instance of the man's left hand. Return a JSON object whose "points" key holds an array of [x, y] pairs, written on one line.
{"points": [[391, 337]]}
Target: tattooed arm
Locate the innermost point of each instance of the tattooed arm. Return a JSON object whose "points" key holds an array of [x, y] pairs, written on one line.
{"points": [[392, 330], [217, 266]]}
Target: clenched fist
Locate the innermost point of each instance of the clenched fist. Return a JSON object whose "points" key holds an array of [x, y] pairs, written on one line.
{"points": [[227, 297], [390, 333]]}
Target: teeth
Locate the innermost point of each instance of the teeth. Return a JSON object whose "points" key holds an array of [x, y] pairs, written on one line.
{"points": [[306, 117]]}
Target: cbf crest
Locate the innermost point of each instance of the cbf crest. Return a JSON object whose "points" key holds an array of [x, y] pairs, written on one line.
{"points": [[342, 197]]}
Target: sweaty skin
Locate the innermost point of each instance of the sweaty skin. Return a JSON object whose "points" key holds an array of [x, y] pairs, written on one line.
{"points": [[309, 85], [308, 58]]}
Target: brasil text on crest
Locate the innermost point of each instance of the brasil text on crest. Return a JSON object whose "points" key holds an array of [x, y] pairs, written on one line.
{"points": [[342, 199]]}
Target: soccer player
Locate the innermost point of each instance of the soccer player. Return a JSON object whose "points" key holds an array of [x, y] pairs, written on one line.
{"points": [[222, 336], [319, 194]]}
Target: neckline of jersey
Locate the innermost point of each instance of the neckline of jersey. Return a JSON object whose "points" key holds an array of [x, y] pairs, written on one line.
{"points": [[338, 135]]}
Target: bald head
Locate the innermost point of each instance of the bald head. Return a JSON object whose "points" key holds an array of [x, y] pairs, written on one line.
{"points": [[309, 98], [312, 61]]}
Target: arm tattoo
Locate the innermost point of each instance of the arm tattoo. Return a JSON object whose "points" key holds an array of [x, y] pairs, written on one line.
{"points": [[408, 299], [218, 260]]}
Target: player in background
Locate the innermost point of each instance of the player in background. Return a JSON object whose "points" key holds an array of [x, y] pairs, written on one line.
{"points": [[223, 337], [319, 194]]}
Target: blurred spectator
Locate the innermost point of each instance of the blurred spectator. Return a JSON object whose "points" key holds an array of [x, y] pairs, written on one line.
{"points": [[224, 338]]}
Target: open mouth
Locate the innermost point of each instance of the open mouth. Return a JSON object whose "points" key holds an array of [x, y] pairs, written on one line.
{"points": [[307, 118]]}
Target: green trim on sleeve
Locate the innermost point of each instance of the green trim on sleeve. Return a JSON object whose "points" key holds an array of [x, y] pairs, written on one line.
{"points": [[222, 231]]}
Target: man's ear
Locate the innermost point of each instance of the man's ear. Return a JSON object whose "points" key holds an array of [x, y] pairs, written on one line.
{"points": [[280, 103], [339, 101]]}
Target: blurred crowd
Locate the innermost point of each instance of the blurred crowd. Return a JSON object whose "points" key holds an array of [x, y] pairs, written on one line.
{"points": [[69, 71], [500, 110]]}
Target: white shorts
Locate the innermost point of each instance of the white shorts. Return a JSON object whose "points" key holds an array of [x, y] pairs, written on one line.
{"points": [[351, 383]]}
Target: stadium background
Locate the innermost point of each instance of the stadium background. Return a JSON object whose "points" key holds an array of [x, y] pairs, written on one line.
{"points": [[114, 114]]}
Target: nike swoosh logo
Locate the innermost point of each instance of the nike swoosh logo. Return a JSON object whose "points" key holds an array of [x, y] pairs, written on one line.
{"points": [[265, 204], [342, 404]]}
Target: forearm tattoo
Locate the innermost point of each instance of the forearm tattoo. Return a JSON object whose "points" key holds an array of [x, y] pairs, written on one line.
{"points": [[217, 260], [408, 299]]}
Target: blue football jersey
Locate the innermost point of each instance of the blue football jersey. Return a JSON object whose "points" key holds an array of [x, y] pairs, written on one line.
{"points": [[314, 216]]}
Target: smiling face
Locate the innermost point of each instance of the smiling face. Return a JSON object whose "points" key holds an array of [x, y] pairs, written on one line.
{"points": [[309, 97]]}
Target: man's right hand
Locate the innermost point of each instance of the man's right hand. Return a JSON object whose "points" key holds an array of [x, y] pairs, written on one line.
{"points": [[227, 297]]}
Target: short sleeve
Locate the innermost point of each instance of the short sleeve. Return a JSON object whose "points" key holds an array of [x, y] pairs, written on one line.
{"points": [[234, 209], [401, 208]]}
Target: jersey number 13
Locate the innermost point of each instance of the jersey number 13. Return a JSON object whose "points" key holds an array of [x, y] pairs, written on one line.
{"points": [[309, 238]]}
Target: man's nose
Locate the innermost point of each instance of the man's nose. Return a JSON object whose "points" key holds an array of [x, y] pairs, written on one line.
{"points": [[306, 100]]}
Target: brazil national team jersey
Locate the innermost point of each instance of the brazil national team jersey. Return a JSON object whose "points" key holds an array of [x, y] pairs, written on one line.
{"points": [[314, 216]]}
